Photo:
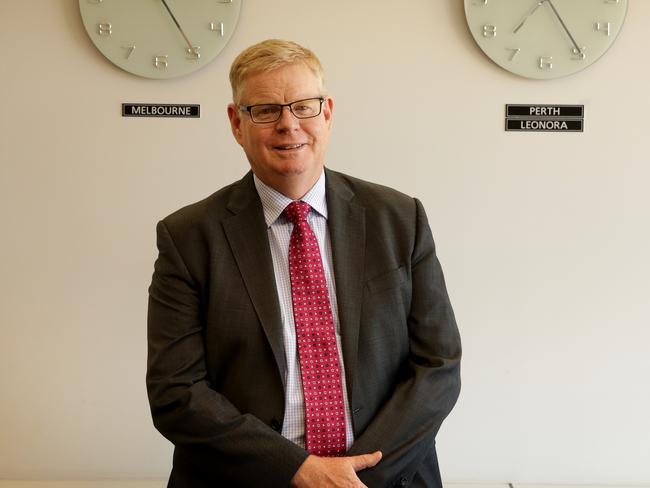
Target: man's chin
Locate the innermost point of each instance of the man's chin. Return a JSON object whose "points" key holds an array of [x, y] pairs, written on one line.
{"points": [[296, 167], [290, 179]]}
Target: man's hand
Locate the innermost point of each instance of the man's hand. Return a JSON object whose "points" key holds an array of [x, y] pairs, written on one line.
{"points": [[333, 472]]}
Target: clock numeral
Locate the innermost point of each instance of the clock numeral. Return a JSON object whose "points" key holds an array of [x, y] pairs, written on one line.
{"points": [[481, 3], [160, 62], [217, 27], [193, 53], [579, 55], [515, 51], [225, 1], [104, 29], [613, 1], [94, 2], [605, 27], [489, 30], [129, 50], [546, 62]]}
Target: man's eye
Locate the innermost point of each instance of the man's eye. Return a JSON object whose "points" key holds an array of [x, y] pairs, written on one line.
{"points": [[303, 109], [267, 110]]}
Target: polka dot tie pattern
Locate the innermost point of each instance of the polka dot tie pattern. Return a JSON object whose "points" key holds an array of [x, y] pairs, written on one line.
{"points": [[317, 353]]}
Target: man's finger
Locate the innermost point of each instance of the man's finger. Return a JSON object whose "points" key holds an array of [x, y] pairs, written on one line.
{"points": [[364, 461]]}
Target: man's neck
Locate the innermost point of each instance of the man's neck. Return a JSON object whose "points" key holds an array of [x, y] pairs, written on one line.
{"points": [[293, 188]]}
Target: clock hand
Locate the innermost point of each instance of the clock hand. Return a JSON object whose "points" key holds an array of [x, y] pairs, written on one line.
{"points": [[578, 50], [532, 11], [189, 44]]}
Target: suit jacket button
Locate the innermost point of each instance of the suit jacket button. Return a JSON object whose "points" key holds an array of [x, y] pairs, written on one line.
{"points": [[403, 481], [275, 425]]}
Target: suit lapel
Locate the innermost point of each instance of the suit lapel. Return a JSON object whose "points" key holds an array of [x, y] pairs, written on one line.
{"points": [[346, 222], [247, 235]]}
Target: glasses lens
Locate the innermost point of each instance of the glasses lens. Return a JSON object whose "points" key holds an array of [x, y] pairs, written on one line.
{"points": [[265, 113], [304, 109]]}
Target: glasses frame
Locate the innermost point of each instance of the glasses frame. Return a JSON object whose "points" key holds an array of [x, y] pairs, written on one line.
{"points": [[248, 108]]}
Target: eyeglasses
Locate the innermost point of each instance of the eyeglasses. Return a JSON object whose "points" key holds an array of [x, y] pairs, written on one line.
{"points": [[270, 112]]}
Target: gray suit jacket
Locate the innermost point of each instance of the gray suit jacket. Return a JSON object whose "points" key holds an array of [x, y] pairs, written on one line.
{"points": [[216, 362]]}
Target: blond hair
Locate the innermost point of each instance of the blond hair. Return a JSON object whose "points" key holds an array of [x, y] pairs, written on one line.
{"points": [[269, 55]]}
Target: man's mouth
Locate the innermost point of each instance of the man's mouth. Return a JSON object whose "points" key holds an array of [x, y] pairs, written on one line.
{"points": [[288, 147]]}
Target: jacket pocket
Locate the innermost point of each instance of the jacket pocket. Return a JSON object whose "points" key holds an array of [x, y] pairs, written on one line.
{"points": [[387, 281]]}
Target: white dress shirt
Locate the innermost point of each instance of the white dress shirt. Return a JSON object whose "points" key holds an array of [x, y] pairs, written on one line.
{"points": [[279, 232]]}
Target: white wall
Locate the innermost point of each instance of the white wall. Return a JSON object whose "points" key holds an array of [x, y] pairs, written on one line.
{"points": [[543, 237]]}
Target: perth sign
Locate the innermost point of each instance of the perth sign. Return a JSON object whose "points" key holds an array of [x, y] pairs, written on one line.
{"points": [[545, 118]]}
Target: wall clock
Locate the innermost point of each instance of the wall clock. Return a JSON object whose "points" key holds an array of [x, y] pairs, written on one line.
{"points": [[160, 38], [545, 39]]}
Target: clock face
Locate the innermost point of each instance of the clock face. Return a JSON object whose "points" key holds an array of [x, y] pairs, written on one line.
{"points": [[545, 39], [160, 38]]}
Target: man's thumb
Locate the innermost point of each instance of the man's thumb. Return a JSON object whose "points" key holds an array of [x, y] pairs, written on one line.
{"points": [[364, 461]]}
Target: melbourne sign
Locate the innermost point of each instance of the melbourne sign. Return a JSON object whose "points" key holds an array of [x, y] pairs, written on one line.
{"points": [[160, 110]]}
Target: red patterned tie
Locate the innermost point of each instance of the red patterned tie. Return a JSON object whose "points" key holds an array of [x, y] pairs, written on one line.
{"points": [[319, 361]]}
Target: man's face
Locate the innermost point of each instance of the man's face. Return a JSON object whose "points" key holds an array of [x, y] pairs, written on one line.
{"points": [[288, 154]]}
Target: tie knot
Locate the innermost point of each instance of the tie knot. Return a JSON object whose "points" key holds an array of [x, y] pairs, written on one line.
{"points": [[297, 211]]}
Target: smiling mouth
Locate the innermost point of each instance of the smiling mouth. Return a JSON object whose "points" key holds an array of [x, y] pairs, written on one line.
{"points": [[289, 147]]}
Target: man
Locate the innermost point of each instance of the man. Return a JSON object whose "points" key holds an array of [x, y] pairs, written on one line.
{"points": [[300, 332]]}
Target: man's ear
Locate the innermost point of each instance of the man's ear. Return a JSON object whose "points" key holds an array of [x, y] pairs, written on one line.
{"points": [[235, 121], [328, 107]]}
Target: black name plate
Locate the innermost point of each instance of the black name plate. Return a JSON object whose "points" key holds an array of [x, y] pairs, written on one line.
{"points": [[545, 118], [160, 110], [544, 125]]}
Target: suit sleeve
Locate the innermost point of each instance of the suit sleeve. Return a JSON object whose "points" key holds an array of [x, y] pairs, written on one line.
{"points": [[405, 427], [219, 441]]}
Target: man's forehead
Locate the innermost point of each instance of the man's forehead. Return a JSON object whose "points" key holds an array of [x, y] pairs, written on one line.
{"points": [[281, 85]]}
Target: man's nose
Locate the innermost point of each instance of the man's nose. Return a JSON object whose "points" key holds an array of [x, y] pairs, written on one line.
{"points": [[287, 120]]}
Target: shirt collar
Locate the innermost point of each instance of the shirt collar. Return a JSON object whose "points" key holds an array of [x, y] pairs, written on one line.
{"points": [[274, 202]]}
